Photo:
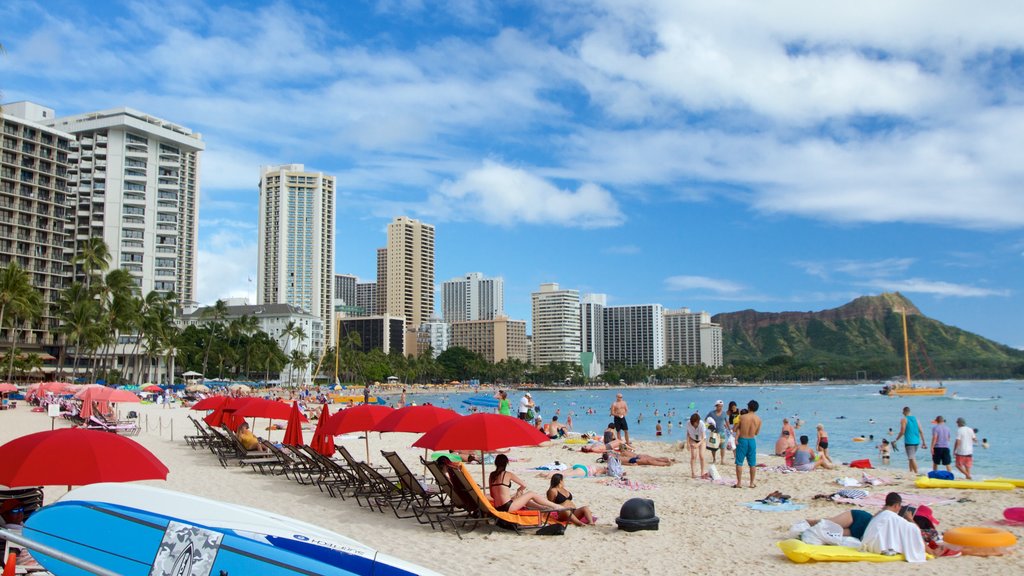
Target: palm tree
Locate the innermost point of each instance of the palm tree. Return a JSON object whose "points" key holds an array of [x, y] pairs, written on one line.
{"points": [[117, 297], [93, 256], [350, 343], [27, 308], [215, 315], [16, 292], [297, 361]]}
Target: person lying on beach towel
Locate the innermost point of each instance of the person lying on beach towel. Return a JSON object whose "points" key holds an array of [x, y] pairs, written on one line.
{"points": [[633, 459], [579, 471]]}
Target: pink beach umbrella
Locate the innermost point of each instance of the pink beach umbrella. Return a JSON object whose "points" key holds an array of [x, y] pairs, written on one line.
{"points": [[362, 418]]}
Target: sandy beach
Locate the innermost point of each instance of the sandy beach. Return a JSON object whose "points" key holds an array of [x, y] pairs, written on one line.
{"points": [[704, 527]]}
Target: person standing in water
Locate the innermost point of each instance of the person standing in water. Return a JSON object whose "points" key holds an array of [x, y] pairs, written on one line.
{"points": [[913, 437], [619, 410]]}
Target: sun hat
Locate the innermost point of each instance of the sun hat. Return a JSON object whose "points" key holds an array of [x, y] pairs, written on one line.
{"points": [[926, 512]]}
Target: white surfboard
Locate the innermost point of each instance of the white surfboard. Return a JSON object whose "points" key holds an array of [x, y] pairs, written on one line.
{"points": [[245, 521]]}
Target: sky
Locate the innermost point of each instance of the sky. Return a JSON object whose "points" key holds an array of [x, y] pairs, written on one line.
{"points": [[718, 155]]}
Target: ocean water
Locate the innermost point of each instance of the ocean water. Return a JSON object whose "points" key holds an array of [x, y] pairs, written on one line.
{"points": [[847, 411]]}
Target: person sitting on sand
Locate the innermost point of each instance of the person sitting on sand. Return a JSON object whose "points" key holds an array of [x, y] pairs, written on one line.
{"points": [[787, 438], [12, 519], [248, 440], [804, 459], [555, 429], [560, 495], [889, 532], [500, 483], [629, 457]]}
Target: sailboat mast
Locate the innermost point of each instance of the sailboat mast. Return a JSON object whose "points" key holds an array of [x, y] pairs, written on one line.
{"points": [[906, 347]]}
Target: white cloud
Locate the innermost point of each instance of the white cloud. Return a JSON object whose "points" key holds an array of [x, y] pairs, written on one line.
{"points": [[718, 286], [935, 287], [227, 266], [506, 196], [856, 268]]}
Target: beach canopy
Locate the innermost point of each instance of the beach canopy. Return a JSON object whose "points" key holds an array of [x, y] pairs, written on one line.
{"points": [[191, 374], [322, 441], [362, 418], [84, 456], [415, 419], [7, 387], [293, 433]]}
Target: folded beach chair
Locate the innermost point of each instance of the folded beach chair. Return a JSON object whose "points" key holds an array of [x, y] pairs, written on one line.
{"points": [[463, 511], [331, 474], [514, 520]]}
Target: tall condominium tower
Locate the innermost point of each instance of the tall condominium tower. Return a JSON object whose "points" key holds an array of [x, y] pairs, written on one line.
{"points": [[408, 284], [36, 204], [634, 335], [691, 338], [592, 333], [345, 289], [472, 297], [296, 238], [366, 298], [556, 325], [138, 189]]}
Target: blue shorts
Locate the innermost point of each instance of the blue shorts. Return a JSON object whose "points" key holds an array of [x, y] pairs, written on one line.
{"points": [[746, 448]]}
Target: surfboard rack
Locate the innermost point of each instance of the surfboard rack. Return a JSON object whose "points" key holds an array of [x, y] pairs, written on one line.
{"points": [[56, 554]]}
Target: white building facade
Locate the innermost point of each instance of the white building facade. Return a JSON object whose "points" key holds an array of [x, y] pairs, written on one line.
{"points": [[296, 243], [634, 335], [592, 332], [691, 338], [556, 325], [435, 334], [472, 297]]}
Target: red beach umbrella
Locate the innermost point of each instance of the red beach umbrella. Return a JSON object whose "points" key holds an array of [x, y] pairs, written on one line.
{"points": [[415, 419], [153, 388], [322, 441], [483, 432], [260, 408], [293, 434], [84, 457], [104, 394], [6, 387], [362, 418], [211, 403], [221, 418]]}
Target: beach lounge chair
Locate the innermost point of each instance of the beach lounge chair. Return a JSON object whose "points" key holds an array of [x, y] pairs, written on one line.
{"points": [[333, 476], [425, 504], [463, 511], [384, 491], [31, 500], [127, 429], [514, 520]]}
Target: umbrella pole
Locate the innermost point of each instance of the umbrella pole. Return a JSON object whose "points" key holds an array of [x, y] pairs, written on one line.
{"points": [[482, 481], [367, 438]]}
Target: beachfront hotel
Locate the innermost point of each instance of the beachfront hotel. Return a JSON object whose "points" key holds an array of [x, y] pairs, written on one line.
{"points": [[296, 243], [345, 289], [691, 338], [496, 339], [405, 275], [592, 333], [556, 325], [381, 332], [366, 298], [37, 165], [137, 187], [472, 297], [634, 335], [435, 335]]}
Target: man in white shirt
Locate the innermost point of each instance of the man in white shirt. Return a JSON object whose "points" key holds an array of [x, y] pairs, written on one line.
{"points": [[525, 403], [964, 447], [890, 533]]}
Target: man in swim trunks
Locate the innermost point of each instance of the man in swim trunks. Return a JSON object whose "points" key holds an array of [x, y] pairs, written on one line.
{"points": [[940, 445], [619, 410], [964, 447], [913, 437], [746, 442]]}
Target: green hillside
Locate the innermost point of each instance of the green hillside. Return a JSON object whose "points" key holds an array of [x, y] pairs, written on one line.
{"points": [[865, 335]]}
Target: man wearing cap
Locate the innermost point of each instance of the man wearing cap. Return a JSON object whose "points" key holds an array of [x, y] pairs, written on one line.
{"points": [[964, 448], [12, 519], [718, 415], [525, 404], [619, 410], [940, 445]]}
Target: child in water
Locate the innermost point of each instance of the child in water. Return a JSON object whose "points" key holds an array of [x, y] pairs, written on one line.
{"points": [[884, 450], [657, 429], [984, 443]]}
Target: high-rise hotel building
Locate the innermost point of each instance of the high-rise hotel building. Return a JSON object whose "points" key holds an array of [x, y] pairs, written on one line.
{"points": [[296, 243], [37, 164], [472, 297], [592, 333], [405, 275], [138, 189], [691, 338], [556, 325], [634, 335]]}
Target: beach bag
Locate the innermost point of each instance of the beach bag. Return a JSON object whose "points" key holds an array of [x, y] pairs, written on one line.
{"points": [[530, 415], [861, 464], [941, 475], [614, 466], [714, 441], [552, 530], [731, 444], [713, 472]]}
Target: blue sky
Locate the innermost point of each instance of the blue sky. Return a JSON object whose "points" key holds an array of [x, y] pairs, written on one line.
{"points": [[716, 155]]}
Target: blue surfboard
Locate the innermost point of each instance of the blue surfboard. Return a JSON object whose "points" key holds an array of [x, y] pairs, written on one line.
{"points": [[135, 542]]}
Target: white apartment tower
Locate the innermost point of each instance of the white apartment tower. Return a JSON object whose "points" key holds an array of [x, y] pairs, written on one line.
{"points": [[592, 331], [634, 335], [36, 207], [345, 289], [691, 338], [296, 239], [408, 282], [366, 298], [138, 189], [556, 325], [472, 297]]}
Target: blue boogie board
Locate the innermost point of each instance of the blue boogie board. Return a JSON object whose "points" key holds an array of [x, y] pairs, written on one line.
{"points": [[134, 542]]}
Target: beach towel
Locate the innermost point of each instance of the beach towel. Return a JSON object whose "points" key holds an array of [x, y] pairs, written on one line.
{"points": [[556, 465], [878, 500], [785, 507], [627, 484], [874, 481]]}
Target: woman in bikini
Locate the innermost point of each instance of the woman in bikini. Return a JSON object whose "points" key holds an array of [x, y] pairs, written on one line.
{"points": [[501, 481], [823, 443], [696, 436], [560, 495]]}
